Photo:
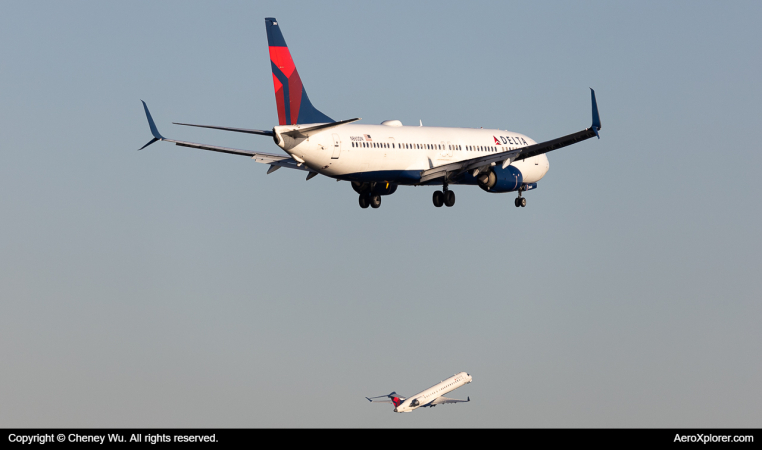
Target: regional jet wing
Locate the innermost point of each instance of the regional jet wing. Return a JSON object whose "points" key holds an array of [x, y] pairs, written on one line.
{"points": [[274, 160], [442, 400], [507, 157]]}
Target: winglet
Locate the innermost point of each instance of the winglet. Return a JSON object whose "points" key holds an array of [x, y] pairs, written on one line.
{"points": [[596, 118], [154, 131]]}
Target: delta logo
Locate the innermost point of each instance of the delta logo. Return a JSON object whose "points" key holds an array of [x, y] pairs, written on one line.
{"points": [[512, 140]]}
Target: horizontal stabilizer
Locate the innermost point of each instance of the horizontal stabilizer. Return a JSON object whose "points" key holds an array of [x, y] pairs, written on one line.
{"points": [[237, 130], [391, 397], [309, 131]]}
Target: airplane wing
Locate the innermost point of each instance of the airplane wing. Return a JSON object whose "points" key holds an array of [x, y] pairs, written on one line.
{"points": [[443, 400], [276, 161], [456, 168], [507, 157]]}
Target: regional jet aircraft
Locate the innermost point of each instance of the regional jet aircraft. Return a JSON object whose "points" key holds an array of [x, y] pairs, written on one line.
{"points": [[431, 397], [376, 159]]}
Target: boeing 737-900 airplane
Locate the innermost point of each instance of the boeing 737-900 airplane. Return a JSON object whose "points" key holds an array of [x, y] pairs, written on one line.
{"points": [[376, 159], [431, 397]]}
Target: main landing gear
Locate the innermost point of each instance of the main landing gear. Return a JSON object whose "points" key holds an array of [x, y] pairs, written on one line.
{"points": [[520, 201], [374, 201], [445, 196]]}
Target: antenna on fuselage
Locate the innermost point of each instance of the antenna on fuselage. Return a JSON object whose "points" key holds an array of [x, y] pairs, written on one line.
{"points": [[421, 122]]}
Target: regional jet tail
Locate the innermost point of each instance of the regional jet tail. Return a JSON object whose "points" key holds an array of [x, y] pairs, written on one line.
{"points": [[376, 159], [430, 397]]}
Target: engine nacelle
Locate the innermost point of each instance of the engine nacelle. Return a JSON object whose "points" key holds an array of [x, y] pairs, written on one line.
{"points": [[499, 180], [378, 188]]}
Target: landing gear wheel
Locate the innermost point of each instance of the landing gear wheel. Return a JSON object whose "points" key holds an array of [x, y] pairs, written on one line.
{"points": [[438, 199], [516, 202], [375, 201], [364, 201], [522, 202], [449, 198]]}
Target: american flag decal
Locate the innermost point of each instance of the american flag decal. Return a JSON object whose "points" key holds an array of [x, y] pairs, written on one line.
{"points": [[367, 136]]}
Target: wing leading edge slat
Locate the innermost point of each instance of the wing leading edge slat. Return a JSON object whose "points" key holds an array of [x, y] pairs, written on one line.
{"points": [[456, 168], [507, 157]]}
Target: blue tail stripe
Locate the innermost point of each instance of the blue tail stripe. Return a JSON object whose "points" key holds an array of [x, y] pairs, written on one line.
{"points": [[286, 94], [274, 36]]}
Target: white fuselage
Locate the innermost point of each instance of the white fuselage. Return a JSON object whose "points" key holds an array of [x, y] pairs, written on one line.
{"points": [[425, 397], [397, 154]]}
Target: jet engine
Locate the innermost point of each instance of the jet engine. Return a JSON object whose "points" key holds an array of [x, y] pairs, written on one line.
{"points": [[377, 188], [497, 179]]}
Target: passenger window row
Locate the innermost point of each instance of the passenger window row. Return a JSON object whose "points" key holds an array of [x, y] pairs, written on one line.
{"points": [[468, 148], [373, 144]]}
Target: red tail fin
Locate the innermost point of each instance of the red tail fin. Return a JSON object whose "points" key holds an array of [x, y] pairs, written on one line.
{"points": [[293, 104]]}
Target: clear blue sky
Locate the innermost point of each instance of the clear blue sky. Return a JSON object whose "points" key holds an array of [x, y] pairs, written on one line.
{"points": [[175, 287]]}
